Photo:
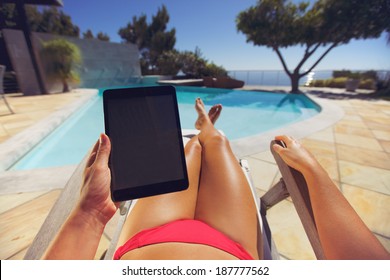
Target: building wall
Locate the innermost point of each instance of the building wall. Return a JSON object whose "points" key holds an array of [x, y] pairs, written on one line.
{"points": [[20, 58], [104, 64]]}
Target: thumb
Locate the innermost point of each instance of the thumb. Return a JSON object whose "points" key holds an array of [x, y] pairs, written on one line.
{"points": [[104, 150]]}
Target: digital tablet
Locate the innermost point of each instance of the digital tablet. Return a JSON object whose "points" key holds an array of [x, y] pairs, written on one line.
{"points": [[147, 153]]}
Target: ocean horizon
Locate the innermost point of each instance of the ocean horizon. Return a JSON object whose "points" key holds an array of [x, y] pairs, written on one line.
{"points": [[280, 78]]}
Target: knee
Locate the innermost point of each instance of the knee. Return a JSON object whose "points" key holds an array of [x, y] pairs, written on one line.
{"points": [[193, 147], [217, 140]]}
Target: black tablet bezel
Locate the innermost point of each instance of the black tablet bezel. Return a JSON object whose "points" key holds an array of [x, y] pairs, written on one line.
{"points": [[150, 189]]}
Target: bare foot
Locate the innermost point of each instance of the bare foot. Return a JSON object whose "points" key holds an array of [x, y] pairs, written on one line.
{"points": [[215, 112], [203, 117]]}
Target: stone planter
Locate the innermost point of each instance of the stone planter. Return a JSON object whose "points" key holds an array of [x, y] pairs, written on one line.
{"points": [[352, 84]]}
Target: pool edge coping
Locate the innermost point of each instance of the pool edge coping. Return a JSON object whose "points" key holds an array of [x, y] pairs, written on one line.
{"points": [[18, 145]]}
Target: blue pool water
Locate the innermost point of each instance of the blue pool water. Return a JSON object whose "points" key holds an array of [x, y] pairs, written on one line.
{"points": [[244, 113]]}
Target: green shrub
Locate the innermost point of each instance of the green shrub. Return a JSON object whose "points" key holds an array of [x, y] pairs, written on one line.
{"points": [[341, 73], [336, 82], [339, 82], [367, 84], [317, 83], [371, 74], [213, 70]]}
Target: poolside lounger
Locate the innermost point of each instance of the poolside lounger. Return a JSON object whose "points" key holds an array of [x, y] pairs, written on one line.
{"points": [[2, 96], [292, 184]]}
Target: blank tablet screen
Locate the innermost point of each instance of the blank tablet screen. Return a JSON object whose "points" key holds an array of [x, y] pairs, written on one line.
{"points": [[147, 149]]}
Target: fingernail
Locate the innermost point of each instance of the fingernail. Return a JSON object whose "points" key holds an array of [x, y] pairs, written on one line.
{"points": [[101, 139]]}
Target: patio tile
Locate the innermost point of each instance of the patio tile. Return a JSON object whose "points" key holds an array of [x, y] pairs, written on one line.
{"points": [[325, 153], [288, 233], [319, 148], [3, 132], [263, 173], [4, 110], [380, 120], [353, 117], [17, 124], [264, 156], [4, 138], [378, 126], [7, 202], [385, 145], [277, 178], [371, 178], [329, 163], [259, 193], [19, 256], [372, 207], [19, 226], [363, 156], [382, 135], [13, 118], [372, 114], [351, 130], [349, 123], [348, 110], [323, 135], [358, 141], [343, 103]]}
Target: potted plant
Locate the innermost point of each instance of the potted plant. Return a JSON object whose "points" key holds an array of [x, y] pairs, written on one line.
{"points": [[61, 57]]}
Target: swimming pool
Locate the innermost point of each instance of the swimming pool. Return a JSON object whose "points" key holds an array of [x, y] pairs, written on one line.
{"points": [[245, 113]]}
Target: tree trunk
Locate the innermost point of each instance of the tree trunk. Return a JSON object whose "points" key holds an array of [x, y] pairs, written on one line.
{"points": [[295, 83]]}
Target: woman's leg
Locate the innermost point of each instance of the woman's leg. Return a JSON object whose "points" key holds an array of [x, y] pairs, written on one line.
{"points": [[161, 209], [225, 199]]}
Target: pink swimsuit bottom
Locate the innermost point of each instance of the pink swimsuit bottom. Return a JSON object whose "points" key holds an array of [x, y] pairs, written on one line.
{"points": [[184, 231]]}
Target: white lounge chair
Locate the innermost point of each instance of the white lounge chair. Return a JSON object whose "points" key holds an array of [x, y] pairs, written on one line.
{"points": [[2, 95]]}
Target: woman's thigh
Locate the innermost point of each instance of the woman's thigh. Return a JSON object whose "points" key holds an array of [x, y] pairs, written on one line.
{"points": [[225, 200]]}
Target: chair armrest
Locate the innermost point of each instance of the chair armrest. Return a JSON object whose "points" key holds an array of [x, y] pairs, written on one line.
{"points": [[297, 188]]}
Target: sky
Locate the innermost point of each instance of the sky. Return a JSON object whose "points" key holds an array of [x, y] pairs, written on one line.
{"points": [[211, 26]]}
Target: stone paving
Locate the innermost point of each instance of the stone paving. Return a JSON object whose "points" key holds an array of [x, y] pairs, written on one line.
{"points": [[355, 151]]}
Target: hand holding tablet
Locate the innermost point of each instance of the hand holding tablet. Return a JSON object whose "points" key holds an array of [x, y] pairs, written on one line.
{"points": [[147, 154]]}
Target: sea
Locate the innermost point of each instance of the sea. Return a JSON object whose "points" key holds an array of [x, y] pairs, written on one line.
{"points": [[275, 77]]}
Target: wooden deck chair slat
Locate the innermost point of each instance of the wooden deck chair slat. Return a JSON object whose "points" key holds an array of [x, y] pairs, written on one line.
{"points": [[297, 188], [274, 195]]}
